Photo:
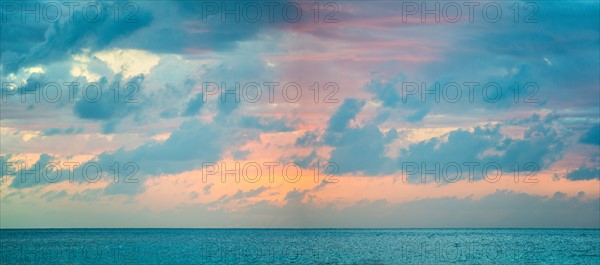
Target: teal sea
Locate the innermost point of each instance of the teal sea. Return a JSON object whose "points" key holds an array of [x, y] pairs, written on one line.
{"points": [[300, 246]]}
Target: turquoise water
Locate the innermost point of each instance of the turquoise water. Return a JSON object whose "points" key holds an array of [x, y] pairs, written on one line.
{"points": [[300, 246]]}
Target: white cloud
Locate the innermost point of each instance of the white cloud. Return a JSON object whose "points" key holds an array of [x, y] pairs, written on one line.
{"points": [[128, 61]]}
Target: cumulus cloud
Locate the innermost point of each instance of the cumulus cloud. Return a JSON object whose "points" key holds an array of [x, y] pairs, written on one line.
{"points": [[584, 173], [592, 136], [362, 148], [111, 101], [64, 37]]}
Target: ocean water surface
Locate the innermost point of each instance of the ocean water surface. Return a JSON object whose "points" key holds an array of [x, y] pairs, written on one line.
{"points": [[300, 246]]}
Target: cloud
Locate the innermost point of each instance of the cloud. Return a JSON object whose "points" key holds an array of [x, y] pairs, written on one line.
{"points": [[363, 148], [592, 136], [87, 195], [386, 92], [184, 150], [347, 112], [240, 196], [110, 102], [355, 148], [64, 37], [496, 53], [207, 188], [193, 27], [51, 196], [584, 173], [59, 131], [541, 145], [502, 209], [491, 211], [24, 176], [172, 130], [360, 149], [310, 138], [194, 105], [264, 124]]}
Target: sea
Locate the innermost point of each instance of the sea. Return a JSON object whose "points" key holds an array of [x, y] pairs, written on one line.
{"points": [[300, 246]]}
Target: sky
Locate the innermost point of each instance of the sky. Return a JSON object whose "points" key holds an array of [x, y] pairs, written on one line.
{"points": [[300, 114]]}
